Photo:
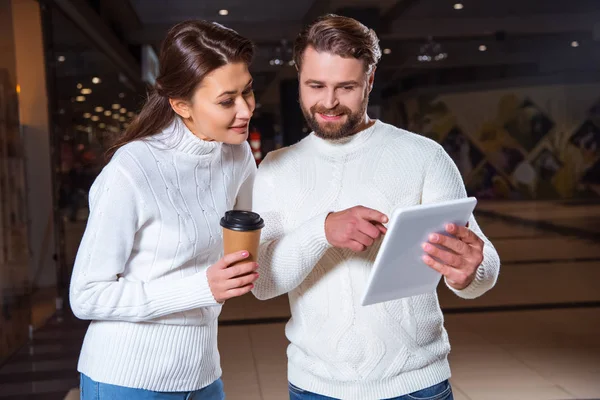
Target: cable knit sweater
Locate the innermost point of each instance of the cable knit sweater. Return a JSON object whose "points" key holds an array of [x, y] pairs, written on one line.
{"points": [[338, 347], [140, 272]]}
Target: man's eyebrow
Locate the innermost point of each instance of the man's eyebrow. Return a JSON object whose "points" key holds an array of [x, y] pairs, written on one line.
{"points": [[347, 83], [344, 83]]}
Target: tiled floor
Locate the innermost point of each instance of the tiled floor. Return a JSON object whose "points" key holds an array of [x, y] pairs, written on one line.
{"points": [[536, 335], [512, 355]]}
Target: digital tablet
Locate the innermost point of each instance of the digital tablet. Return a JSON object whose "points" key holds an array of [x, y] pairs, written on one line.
{"points": [[399, 270]]}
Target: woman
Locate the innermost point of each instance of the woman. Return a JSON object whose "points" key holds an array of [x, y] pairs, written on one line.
{"points": [[148, 272]]}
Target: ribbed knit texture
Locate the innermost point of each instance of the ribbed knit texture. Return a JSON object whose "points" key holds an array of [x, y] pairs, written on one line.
{"points": [[338, 347], [140, 272]]}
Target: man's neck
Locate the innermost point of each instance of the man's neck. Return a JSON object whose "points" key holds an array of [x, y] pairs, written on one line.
{"points": [[366, 123]]}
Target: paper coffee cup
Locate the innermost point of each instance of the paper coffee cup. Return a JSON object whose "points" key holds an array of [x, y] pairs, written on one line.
{"points": [[241, 231]]}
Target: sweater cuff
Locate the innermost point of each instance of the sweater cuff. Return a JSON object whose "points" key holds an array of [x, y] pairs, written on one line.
{"points": [[485, 277], [315, 240], [203, 295], [182, 295]]}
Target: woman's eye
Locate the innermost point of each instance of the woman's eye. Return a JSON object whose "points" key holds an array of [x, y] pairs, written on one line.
{"points": [[227, 103]]}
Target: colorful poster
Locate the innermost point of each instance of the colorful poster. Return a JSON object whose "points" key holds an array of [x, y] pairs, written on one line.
{"points": [[538, 142]]}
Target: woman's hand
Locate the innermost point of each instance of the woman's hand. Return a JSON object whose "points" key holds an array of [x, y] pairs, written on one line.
{"points": [[227, 280]]}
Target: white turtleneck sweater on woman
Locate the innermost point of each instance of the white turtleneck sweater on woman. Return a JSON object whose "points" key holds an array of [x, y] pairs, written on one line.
{"points": [[140, 272], [338, 347]]}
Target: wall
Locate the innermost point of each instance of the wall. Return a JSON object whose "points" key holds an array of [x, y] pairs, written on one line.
{"points": [[535, 142], [7, 48]]}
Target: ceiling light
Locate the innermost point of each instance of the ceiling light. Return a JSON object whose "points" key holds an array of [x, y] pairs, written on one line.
{"points": [[458, 6], [223, 12], [79, 86], [102, 125], [98, 109], [115, 116], [387, 51], [123, 110], [95, 118], [116, 106], [130, 114], [431, 51], [121, 95], [108, 113], [86, 91], [87, 115], [96, 80], [80, 99], [122, 119], [483, 47], [574, 43], [283, 55], [61, 58]]}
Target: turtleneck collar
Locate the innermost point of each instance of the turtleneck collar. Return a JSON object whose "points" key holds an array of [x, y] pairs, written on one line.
{"points": [[178, 136], [344, 146]]}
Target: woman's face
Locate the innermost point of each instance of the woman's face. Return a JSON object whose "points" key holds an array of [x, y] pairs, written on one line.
{"points": [[222, 105]]}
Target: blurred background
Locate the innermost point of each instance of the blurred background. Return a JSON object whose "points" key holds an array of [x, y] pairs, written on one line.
{"points": [[510, 88]]}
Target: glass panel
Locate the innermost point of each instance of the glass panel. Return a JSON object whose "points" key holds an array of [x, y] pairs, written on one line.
{"points": [[15, 311], [92, 103]]}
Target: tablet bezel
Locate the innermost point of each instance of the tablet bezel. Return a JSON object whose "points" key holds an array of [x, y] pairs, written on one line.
{"points": [[453, 211]]}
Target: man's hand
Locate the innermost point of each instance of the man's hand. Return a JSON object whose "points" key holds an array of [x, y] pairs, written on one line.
{"points": [[461, 254], [355, 228]]}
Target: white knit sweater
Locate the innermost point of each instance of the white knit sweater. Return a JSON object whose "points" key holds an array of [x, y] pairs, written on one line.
{"points": [[338, 347], [140, 272]]}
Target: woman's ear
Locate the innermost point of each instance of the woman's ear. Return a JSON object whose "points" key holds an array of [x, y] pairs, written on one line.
{"points": [[181, 107]]}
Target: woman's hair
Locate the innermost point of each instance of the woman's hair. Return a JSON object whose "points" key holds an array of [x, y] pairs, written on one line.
{"points": [[342, 36], [191, 50]]}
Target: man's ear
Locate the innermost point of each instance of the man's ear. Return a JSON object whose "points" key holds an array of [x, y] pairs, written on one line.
{"points": [[371, 79]]}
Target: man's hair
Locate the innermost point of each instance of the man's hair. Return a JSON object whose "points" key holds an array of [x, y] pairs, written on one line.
{"points": [[342, 36]]}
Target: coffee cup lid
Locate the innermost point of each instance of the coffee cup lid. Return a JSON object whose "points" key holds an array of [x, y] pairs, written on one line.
{"points": [[238, 220]]}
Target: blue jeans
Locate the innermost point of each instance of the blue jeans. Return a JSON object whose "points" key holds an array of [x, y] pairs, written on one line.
{"points": [[441, 391], [92, 390]]}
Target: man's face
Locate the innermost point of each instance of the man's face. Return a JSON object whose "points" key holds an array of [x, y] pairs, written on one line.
{"points": [[334, 93]]}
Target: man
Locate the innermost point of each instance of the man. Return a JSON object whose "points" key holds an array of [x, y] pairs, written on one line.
{"points": [[325, 200]]}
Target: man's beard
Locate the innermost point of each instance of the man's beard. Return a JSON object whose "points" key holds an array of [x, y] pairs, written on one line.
{"points": [[335, 130]]}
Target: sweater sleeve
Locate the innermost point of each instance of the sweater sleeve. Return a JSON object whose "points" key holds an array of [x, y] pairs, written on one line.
{"points": [[443, 182], [285, 257], [244, 197], [100, 288]]}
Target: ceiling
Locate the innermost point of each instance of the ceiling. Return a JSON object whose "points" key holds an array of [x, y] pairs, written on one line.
{"points": [[171, 12], [497, 9], [514, 32]]}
